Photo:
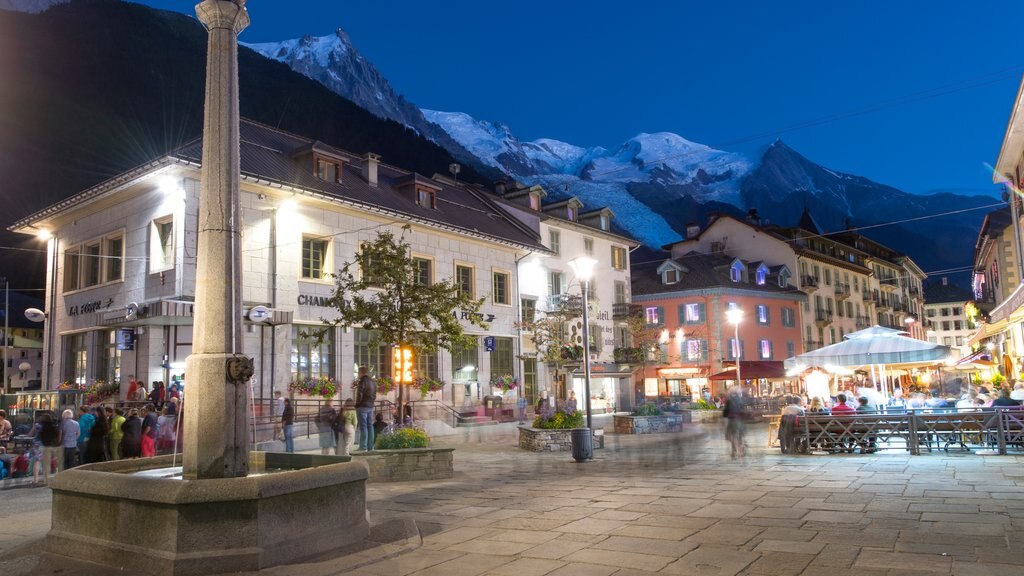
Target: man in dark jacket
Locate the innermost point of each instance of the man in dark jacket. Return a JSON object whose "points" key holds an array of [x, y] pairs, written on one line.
{"points": [[366, 396]]}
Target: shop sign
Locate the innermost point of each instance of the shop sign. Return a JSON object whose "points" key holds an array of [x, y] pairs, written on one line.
{"points": [[317, 301], [126, 339], [489, 343], [89, 307], [464, 315]]}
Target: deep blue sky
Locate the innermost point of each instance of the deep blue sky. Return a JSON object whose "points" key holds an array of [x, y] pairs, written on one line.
{"points": [[733, 75]]}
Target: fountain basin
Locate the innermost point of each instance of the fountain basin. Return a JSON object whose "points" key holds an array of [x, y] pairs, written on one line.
{"points": [[108, 514]]}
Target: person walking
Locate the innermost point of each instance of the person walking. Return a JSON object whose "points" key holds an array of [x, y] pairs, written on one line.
{"points": [[735, 428], [288, 426], [131, 435], [45, 448], [325, 427], [149, 430], [69, 432], [366, 397]]}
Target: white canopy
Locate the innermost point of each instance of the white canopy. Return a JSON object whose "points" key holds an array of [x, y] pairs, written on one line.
{"points": [[872, 346]]}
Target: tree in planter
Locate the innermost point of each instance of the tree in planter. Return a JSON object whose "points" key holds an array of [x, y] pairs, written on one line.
{"points": [[381, 290], [552, 342]]}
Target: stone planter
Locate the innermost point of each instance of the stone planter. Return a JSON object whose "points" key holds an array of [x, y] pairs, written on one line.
{"points": [[541, 440], [408, 464], [648, 424], [705, 415]]}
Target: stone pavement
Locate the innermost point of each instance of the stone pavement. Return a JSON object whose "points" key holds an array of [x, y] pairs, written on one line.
{"points": [[677, 505]]}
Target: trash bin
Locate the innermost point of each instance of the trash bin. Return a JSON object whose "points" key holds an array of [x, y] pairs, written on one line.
{"points": [[582, 444]]}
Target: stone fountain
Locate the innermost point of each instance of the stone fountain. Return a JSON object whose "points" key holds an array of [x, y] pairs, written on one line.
{"points": [[216, 517]]}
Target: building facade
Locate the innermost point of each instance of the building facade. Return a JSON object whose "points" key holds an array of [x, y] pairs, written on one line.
{"points": [[121, 275], [946, 320]]}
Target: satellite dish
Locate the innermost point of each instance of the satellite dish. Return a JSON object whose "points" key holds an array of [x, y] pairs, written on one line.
{"points": [[35, 314], [260, 314], [131, 311]]}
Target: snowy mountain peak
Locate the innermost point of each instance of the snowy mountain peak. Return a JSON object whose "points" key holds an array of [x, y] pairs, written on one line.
{"points": [[317, 50]]}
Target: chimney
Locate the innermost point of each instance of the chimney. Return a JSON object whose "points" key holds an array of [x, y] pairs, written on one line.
{"points": [[945, 281], [499, 187], [370, 161], [692, 230]]}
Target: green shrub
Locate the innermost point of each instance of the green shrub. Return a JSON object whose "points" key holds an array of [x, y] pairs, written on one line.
{"points": [[559, 421], [647, 409], [701, 404], [403, 438]]}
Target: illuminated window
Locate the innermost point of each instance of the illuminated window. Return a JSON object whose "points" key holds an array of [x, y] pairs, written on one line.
{"points": [[314, 258], [694, 313], [651, 315], [736, 272], [619, 260], [765, 349], [696, 350], [762, 314]]}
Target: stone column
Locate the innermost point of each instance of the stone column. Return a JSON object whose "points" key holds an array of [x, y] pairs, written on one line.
{"points": [[216, 419]]}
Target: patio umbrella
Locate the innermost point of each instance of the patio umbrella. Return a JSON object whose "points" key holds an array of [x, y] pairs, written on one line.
{"points": [[870, 347]]}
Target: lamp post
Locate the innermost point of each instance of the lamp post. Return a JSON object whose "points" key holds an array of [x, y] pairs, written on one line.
{"points": [[583, 268], [735, 316], [7, 310]]}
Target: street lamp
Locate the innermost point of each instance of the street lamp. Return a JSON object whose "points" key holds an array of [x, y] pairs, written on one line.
{"points": [[583, 268], [735, 316]]}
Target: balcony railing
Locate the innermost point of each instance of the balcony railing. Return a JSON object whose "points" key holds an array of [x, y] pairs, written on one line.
{"points": [[823, 316], [623, 310], [811, 345], [863, 322], [565, 303], [808, 282], [842, 291]]}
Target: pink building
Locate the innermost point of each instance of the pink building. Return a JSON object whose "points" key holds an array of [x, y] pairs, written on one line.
{"points": [[684, 301]]}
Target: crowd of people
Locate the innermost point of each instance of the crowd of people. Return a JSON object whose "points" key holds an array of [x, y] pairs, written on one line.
{"points": [[95, 433], [339, 431]]}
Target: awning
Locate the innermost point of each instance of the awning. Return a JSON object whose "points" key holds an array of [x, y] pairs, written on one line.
{"points": [[987, 330], [753, 370], [603, 370]]}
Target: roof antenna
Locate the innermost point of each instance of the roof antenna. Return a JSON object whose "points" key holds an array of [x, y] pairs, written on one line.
{"points": [[454, 168]]}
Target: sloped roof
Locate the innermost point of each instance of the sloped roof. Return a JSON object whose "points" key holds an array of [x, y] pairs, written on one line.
{"points": [[702, 271]]}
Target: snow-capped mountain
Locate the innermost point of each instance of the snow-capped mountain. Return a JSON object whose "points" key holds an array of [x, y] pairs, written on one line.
{"points": [[655, 183], [334, 62]]}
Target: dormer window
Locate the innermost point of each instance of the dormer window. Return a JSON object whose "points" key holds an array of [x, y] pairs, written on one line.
{"points": [[736, 271], [671, 276], [572, 213], [328, 170], [761, 275], [783, 279], [426, 198], [604, 222], [534, 201]]}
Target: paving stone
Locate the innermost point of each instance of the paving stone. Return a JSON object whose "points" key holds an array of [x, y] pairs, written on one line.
{"points": [[581, 569], [779, 564], [985, 569], [716, 510], [591, 526], [722, 533], [716, 560], [904, 561], [621, 559], [669, 548], [805, 548], [832, 517], [661, 532], [553, 549], [528, 567], [789, 513], [492, 547]]}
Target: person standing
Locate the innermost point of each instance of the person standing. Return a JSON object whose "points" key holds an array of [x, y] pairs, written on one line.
{"points": [[86, 420], [366, 397], [149, 430], [325, 427], [96, 447], [133, 386], [6, 432], [69, 432], [45, 448], [288, 426], [115, 434], [278, 407], [347, 427], [131, 440]]}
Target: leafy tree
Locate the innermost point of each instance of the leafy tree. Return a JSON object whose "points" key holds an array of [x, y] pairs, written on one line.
{"points": [[380, 291]]}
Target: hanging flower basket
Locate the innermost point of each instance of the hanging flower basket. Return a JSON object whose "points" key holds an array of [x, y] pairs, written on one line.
{"points": [[68, 385], [427, 385], [570, 353], [385, 385], [504, 381], [322, 386], [100, 391]]}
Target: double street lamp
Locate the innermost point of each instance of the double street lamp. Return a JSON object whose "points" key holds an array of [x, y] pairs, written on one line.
{"points": [[735, 316], [583, 268]]}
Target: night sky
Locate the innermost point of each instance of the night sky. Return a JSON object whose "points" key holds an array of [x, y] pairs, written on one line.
{"points": [[910, 94]]}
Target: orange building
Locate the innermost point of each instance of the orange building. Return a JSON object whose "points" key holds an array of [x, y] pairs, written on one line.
{"points": [[688, 343]]}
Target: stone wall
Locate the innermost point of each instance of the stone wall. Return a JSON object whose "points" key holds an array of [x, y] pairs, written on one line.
{"points": [[540, 440], [409, 464], [648, 424], [706, 415]]}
